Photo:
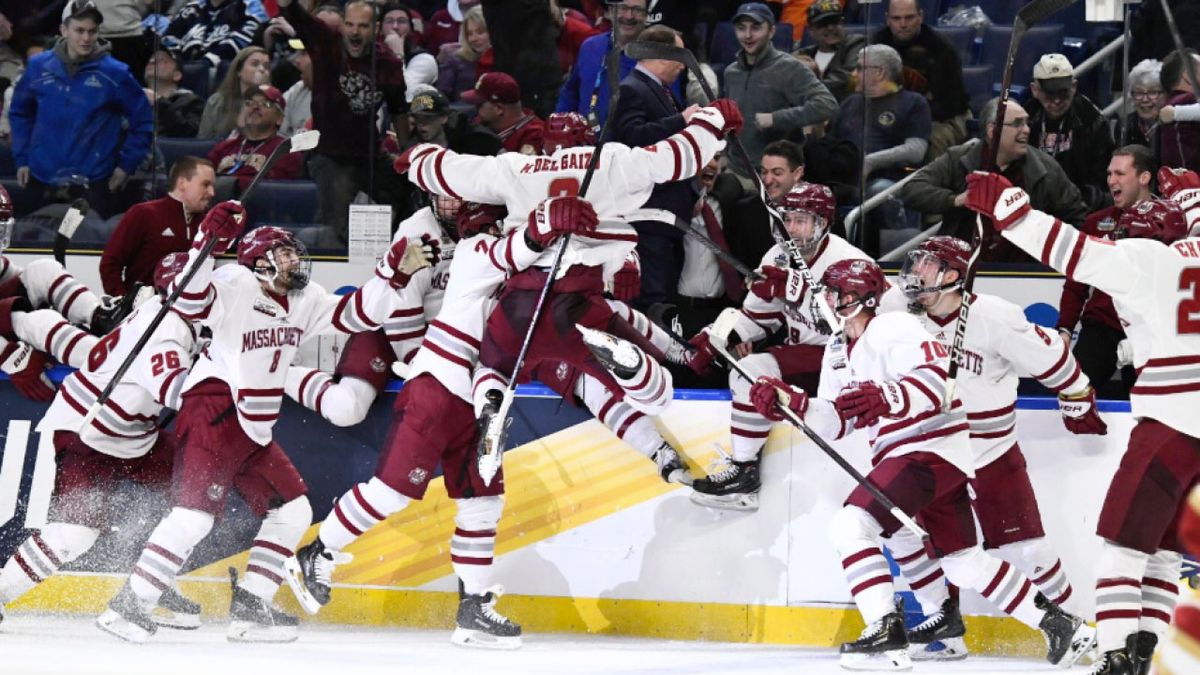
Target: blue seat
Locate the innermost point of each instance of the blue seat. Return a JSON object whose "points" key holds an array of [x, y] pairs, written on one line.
{"points": [[783, 37], [172, 149], [1038, 40], [724, 46], [977, 80], [962, 38], [1001, 11], [283, 202], [195, 77]]}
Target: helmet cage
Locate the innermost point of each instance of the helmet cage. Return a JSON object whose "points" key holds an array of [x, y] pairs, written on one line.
{"points": [[294, 279], [820, 229], [910, 278]]}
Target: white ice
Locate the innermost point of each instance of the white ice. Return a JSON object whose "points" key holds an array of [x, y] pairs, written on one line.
{"points": [[32, 643]]}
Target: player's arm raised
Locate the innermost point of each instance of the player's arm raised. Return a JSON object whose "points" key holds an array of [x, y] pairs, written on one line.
{"points": [[447, 173], [224, 223], [682, 155]]}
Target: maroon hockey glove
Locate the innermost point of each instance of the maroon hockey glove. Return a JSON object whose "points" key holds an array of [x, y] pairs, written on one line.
{"points": [[1172, 181], [994, 196], [1080, 415], [769, 394], [224, 222], [405, 258], [561, 215], [26, 367], [866, 402], [627, 282], [701, 359], [732, 114], [777, 282]]}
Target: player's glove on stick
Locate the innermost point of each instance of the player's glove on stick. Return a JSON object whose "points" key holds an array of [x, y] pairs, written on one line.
{"points": [[701, 358], [557, 216], [627, 282], [1182, 187], [1079, 413], [866, 402], [26, 367], [731, 113], [994, 196], [405, 258], [777, 282], [769, 395], [224, 223]]}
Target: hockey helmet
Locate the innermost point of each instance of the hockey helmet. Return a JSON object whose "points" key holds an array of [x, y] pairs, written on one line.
{"points": [[819, 203], [6, 218], [858, 278], [474, 218], [168, 269], [276, 257], [566, 130], [1156, 219], [938, 255]]}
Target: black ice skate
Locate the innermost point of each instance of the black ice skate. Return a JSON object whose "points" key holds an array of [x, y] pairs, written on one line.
{"points": [[940, 636], [1120, 661], [126, 618], [309, 574], [670, 465], [615, 354], [252, 619], [1141, 649], [882, 646], [176, 611], [480, 625], [734, 487], [1068, 637], [112, 310]]}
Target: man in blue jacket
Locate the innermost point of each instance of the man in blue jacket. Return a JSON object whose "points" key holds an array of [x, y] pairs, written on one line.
{"points": [[78, 114]]}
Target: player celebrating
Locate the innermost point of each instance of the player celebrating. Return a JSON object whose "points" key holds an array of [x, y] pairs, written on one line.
{"points": [[999, 344], [780, 299], [1154, 287], [885, 376], [260, 311]]}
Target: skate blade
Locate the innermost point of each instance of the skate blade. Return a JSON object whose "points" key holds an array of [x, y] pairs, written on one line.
{"points": [[114, 624], [731, 502], [168, 619], [295, 581], [465, 637], [248, 631], [896, 659], [946, 649], [1081, 643]]}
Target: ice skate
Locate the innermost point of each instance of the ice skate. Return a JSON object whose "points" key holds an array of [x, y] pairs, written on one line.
{"points": [[252, 619], [1120, 661], [309, 574], [882, 646], [1142, 651], [174, 610], [480, 625], [940, 636], [735, 487], [1068, 637], [126, 618], [615, 354], [670, 465]]}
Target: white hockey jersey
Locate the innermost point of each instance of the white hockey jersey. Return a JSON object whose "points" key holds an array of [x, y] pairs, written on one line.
{"points": [[421, 300], [761, 318], [1000, 346], [1156, 291], [895, 348], [256, 334], [127, 424], [623, 181]]}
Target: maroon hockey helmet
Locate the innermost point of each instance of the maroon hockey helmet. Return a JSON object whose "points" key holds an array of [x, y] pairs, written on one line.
{"points": [[814, 199], [265, 249], [856, 277], [170, 267], [941, 253], [6, 218], [1156, 219], [566, 130], [474, 218]]}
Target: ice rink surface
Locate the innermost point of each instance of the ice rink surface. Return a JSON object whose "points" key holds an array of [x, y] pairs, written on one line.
{"points": [[31, 643]]}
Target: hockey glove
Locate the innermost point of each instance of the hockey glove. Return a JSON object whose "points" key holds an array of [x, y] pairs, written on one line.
{"points": [[26, 367], [561, 215], [866, 402], [777, 282], [224, 222], [994, 196], [405, 258], [703, 354], [731, 113], [769, 395], [627, 282], [1183, 188], [1079, 413]]}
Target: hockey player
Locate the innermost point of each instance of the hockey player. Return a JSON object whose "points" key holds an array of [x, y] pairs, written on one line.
{"points": [[123, 442], [435, 423], [260, 310], [779, 300], [887, 376], [1000, 343], [1154, 287]]}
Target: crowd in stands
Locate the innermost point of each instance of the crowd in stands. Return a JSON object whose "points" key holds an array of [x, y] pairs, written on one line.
{"points": [[125, 103]]}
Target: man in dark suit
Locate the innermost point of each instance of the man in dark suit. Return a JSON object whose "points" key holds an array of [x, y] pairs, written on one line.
{"points": [[647, 113]]}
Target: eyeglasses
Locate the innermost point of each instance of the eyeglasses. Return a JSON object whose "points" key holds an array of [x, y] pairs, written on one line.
{"points": [[1147, 94], [252, 102], [1018, 123], [629, 9]]}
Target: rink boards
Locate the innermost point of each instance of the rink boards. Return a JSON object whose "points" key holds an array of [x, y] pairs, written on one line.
{"points": [[591, 540]]}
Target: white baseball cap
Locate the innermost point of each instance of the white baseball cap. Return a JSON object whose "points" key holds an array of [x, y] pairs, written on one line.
{"points": [[1053, 72]]}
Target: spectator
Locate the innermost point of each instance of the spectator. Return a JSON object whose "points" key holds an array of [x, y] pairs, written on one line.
{"points": [[707, 284], [150, 230], [297, 110], [177, 110], [345, 108], [834, 51], [331, 15], [462, 64], [245, 152], [123, 30], [897, 130], [781, 167], [525, 40], [78, 113], [221, 110], [1100, 331], [1179, 141], [434, 122], [419, 66], [1147, 97], [786, 96], [1069, 127], [586, 90], [931, 68], [941, 186], [573, 31], [444, 25], [498, 100], [214, 30]]}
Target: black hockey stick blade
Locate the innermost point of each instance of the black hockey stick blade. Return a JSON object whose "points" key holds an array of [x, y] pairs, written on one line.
{"points": [[640, 49], [1037, 11]]}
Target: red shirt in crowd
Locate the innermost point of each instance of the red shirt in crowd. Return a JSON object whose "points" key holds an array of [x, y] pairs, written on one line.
{"points": [[1080, 301], [574, 31], [440, 29], [237, 156], [146, 233]]}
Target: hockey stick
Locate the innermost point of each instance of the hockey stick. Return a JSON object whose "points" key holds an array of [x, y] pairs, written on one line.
{"points": [[305, 140], [798, 422], [639, 50], [716, 250], [1029, 15], [66, 229]]}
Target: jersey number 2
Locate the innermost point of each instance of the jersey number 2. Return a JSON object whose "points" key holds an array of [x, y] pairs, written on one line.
{"points": [[563, 187], [1187, 318]]}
